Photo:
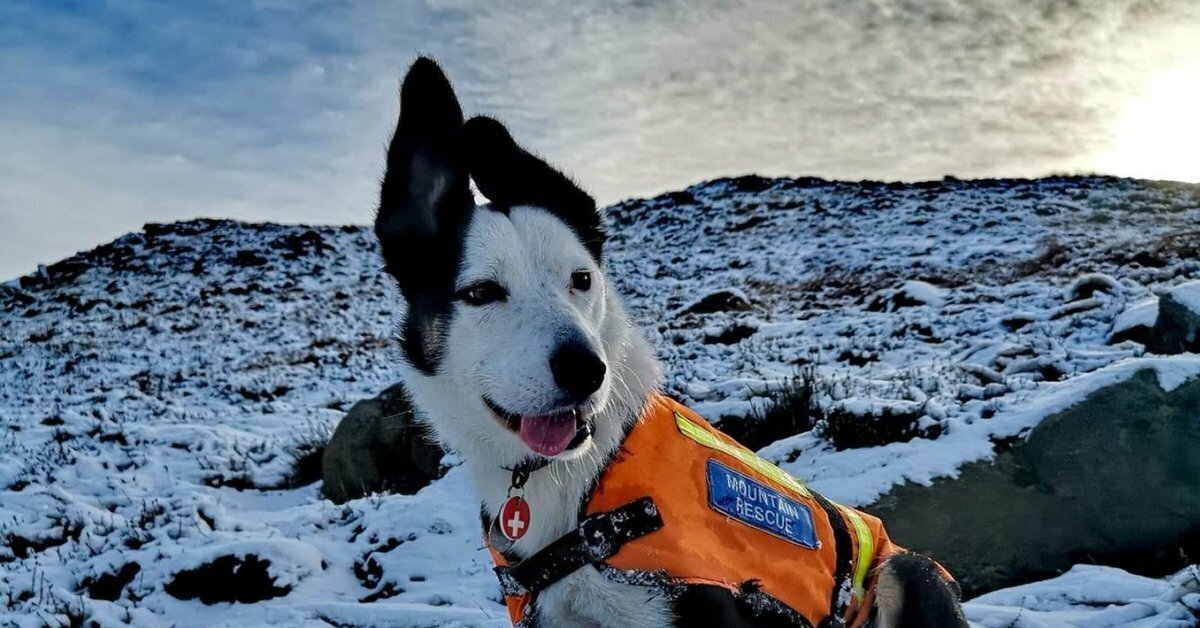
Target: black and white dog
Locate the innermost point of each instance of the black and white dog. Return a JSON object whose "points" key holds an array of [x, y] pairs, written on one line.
{"points": [[516, 347]]}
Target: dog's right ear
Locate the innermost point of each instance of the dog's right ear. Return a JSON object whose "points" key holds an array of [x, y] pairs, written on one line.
{"points": [[425, 203], [426, 185]]}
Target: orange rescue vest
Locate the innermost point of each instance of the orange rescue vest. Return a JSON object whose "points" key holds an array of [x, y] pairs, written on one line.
{"points": [[720, 516]]}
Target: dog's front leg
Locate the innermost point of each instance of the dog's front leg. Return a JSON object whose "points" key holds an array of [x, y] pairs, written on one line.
{"points": [[586, 599]]}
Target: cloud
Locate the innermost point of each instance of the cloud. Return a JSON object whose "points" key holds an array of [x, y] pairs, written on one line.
{"points": [[130, 111]]}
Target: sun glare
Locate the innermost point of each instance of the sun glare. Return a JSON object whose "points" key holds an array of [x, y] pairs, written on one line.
{"points": [[1158, 137]]}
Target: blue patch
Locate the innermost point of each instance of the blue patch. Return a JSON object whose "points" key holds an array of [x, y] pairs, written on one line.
{"points": [[760, 506]]}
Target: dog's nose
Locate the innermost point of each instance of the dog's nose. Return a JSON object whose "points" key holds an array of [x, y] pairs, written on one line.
{"points": [[577, 370]]}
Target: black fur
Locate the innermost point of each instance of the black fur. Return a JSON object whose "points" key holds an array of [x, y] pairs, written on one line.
{"points": [[709, 606], [509, 175], [425, 204], [928, 601]]}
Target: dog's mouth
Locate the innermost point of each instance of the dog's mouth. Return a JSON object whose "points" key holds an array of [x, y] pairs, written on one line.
{"points": [[546, 434]]}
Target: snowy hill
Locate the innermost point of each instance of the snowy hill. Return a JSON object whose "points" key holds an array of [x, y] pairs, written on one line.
{"points": [[162, 396]]}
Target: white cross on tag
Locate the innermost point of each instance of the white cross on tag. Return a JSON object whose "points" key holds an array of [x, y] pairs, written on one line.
{"points": [[515, 525]]}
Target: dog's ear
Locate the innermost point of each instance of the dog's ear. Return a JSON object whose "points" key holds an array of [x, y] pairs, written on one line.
{"points": [[509, 175], [426, 185], [425, 203]]}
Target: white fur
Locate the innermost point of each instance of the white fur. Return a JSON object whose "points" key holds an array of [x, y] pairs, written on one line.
{"points": [[502, 350], [889, 598]]}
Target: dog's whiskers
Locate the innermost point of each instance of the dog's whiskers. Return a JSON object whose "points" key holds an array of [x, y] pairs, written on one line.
{"points": [[396, 415]]}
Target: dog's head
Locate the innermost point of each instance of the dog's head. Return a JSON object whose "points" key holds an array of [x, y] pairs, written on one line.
{"points": [[508, 328]]}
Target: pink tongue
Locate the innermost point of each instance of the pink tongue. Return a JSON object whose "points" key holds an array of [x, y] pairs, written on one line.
{"points": [[548, 434]]}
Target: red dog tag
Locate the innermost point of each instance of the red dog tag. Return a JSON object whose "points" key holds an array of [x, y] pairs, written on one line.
{"points": [[514, 518]]}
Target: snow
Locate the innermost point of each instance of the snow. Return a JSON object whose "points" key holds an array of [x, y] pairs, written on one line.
{"points": [[1143, 313], [1092, 596], [155, 394], [923, 292], [1188, 295]]}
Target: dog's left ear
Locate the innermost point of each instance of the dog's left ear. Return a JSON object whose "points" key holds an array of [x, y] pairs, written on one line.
{"points": [[509, 175]]}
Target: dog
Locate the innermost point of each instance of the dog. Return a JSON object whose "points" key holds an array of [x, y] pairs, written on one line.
{"points": [[519, 352]]}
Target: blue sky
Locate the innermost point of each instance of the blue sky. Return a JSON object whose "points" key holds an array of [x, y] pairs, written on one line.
{"points": [[119, 113], [116, 113]]}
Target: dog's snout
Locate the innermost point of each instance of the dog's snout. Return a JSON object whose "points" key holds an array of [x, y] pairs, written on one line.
{"points": [[577, 370]]}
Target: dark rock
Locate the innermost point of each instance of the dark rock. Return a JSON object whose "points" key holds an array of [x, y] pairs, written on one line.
{"points": [[1017, 322], [67, 270], [1085, 286], [109, 586], [185, 228], [857, 358], [227, 579], [1135, 323], [730, 335], [24, 547], [1177, 329], [908, 294], [750, 222], [1138, 333], [380, 446], [720, 301], [297, 245], [1075, 307], [246, 258], [681, 197], [751, 183], [1113, 480], [16, 295], [1148, 260]]}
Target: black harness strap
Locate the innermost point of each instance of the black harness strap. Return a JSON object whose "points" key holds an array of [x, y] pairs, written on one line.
{"points": [[598, 537], [843, 564]]}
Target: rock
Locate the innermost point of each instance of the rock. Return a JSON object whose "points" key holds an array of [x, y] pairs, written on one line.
{"points": [[751, 183], [732, 334], [911, 293], [1089, 284], [110, 586], [1148, 260], [16, 295], [1075, 307], [1135, 323], [1177, 329], [297, 245], [720, 301], [248, 258], [1113, 480], [379, 446], [682, 197], [1017, 321], [245, 579]]}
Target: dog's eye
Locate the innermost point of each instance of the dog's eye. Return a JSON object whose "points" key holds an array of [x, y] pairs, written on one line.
{"points": [[581, 280], [483, 293]]}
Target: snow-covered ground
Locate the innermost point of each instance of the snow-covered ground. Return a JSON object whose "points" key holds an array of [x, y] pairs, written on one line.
{"points": [[157, 393]]}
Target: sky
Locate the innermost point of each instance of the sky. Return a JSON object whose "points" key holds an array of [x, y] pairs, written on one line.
{"points": [[114, 113]]}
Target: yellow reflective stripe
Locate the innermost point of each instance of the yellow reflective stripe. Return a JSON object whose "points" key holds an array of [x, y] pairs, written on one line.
{"points": [[696, 433], [743, 455], [866, 550]]}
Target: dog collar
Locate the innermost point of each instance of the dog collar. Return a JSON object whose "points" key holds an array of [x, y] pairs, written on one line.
{"points": [[522, 470]]}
